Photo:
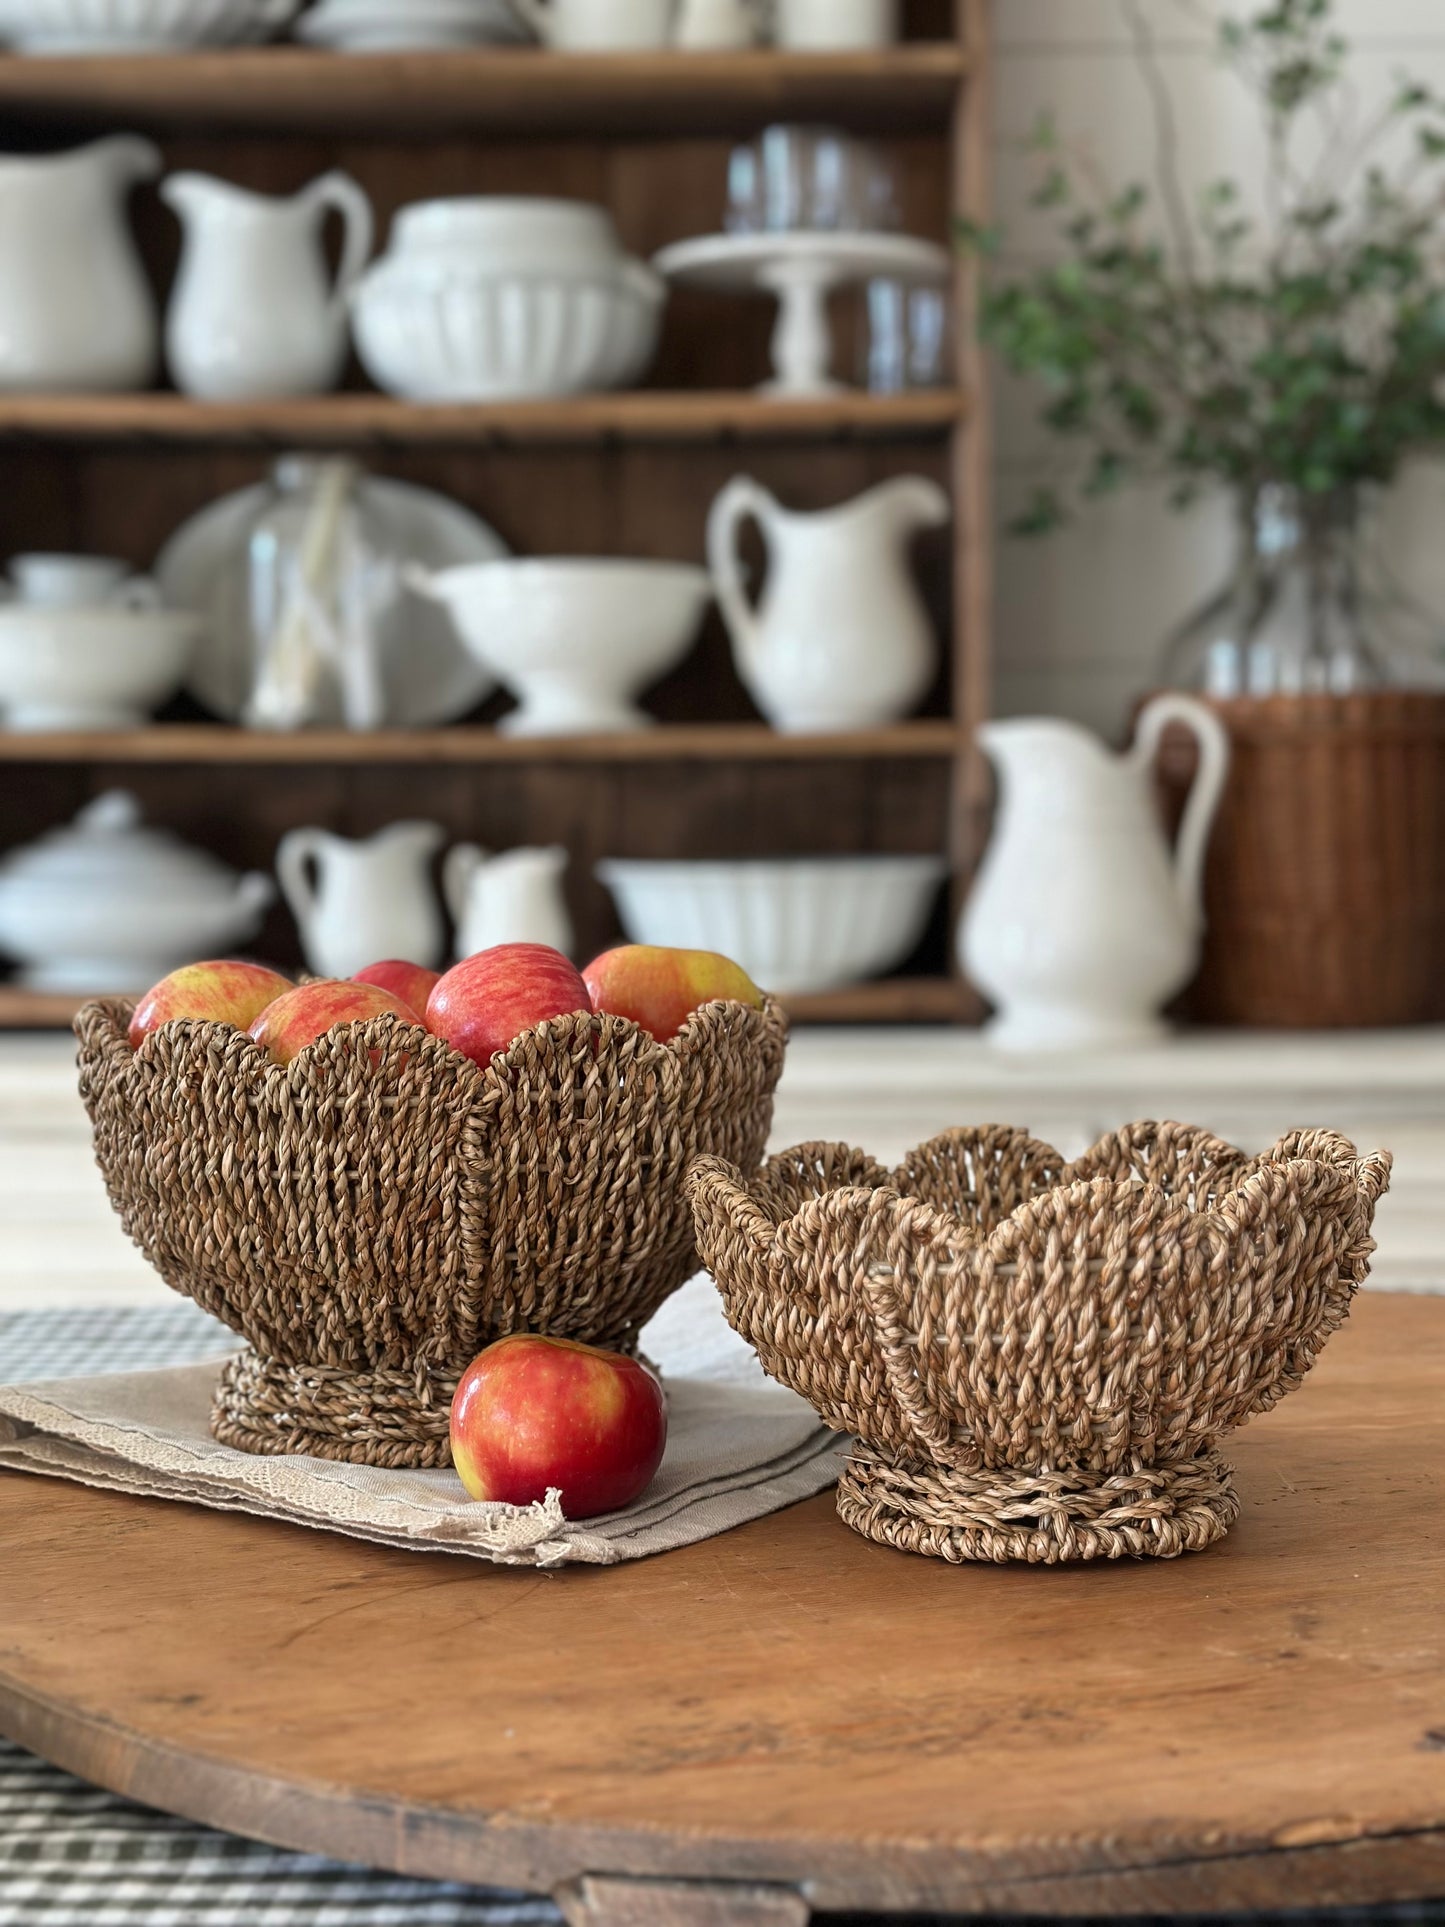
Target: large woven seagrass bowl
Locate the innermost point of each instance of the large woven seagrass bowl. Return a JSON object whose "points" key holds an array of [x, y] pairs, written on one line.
{"points": [[1037, 1359], [371, 1216]]}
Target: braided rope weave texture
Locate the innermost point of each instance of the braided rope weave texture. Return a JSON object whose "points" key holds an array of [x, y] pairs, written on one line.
{"points": [[373, 1215], [1038, 1358]]}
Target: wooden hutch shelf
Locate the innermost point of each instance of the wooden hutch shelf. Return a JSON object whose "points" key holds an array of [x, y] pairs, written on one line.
{"points": [[488, 91], [670, 742], [378, 421], [651, 137], [896, 1000]]}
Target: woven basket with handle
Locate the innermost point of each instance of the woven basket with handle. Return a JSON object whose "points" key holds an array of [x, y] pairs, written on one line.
{"points": [[373, 1215], [1038, 1359]]}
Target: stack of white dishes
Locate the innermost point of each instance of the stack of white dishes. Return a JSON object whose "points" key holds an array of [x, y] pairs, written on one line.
{"points": [[505, 298], [383, 26], [796, 925], [85, 646], [137, 26]]}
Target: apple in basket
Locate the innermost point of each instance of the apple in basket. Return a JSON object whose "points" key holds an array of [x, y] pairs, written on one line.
{"points": [[413, 983], [285, 1027], [484, 1003], [534, 1415], [659, 989], [222, 992]]}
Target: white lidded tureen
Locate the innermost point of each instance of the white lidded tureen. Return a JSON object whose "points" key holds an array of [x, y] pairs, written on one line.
{"points": [[504, 297], [107, 905]]}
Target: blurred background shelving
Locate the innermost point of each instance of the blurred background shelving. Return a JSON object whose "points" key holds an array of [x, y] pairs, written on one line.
{"points": [[627, 474]]}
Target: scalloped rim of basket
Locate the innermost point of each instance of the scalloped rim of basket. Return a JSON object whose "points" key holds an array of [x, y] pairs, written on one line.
{"points": [[1078, 1180], [102, 1026]]}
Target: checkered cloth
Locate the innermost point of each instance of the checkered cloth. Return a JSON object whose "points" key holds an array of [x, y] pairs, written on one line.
{"points": [[74, 1856]]}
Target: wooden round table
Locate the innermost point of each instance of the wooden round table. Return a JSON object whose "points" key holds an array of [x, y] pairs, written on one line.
{"points": [[789, 1718]]}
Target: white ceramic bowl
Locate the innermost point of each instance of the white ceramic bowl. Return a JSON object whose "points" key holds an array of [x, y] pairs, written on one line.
{"points": [[460, 333], [374, 26], [800, 924], [90, 668], [576, 640], [136, 26]]}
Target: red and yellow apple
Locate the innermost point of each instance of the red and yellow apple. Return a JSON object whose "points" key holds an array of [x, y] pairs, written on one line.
{"points": [[536, 1414], [413, 983], [308, 1012], [659, 989], [482, 1004], [216, 993]]}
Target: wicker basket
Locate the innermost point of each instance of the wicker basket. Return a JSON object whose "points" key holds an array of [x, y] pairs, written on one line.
{"points": [[373, 1215], [1037, 1359], [1325, 885]]}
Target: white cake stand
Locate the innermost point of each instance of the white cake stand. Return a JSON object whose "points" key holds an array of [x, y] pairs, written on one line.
{"points": [[802, 269]]}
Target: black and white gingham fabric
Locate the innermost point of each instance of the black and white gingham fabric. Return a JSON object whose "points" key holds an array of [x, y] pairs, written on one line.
{"points": [[74, 1856]]}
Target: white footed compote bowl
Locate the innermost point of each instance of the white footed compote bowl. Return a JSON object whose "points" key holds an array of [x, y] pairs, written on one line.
{"points": [[575, 639]]}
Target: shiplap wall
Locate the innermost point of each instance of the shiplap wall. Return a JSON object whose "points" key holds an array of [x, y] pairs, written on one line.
{"points": [[1081, 615]]}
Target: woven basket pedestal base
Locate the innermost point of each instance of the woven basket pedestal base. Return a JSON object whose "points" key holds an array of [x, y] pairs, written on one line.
{"points": [[386, 1418], [1040, 1517]]}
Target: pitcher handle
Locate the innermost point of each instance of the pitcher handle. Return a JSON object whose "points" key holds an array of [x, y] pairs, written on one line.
{"points": [[1207, 789], [459, 866], [350, 200], [741, 499], [297, 851]]}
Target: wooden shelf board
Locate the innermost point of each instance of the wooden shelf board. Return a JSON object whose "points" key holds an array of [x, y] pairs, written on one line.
{"points": [[930, 740], [896, 1000], [900, 1000], [378, 420], [525, 91]]}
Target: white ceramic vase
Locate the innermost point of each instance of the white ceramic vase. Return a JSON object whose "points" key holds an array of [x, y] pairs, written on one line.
{"points": [[1082, 924]]}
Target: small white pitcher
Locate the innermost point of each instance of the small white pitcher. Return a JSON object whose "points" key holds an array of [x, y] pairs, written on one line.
{"points": [[360, 903], [253, 313], [708, 25], [841, 638], [1082, 924], [515, 896]]}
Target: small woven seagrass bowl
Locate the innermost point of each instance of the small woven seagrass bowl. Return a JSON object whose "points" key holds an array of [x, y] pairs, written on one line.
{"points": [[373, 1215], [1037, 1359]]}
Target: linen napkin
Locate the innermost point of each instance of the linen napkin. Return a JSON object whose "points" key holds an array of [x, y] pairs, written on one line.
{"points": [[738, 1447]]}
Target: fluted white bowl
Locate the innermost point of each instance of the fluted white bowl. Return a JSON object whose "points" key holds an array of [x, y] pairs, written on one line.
{"points": [[798, 925], [461, 334], [136, 26]]}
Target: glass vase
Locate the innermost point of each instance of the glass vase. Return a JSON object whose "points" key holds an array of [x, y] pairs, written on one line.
{"points": [[1307, 611]]}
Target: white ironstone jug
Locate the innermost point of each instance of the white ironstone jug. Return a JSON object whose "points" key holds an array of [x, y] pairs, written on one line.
{"points": [[76, 310], [1082, 924], [360, 903], [515, 896], [841, 638], [255, 312]]}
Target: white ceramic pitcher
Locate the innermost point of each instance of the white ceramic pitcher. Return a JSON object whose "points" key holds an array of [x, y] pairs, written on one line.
{"points": [[1082, 923], [598, 26], [514, 896], [76, 310], [360, 903], [254, 312], [841, 639]]}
